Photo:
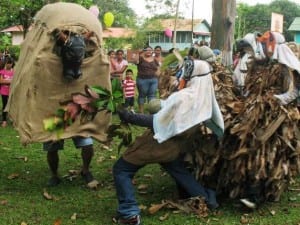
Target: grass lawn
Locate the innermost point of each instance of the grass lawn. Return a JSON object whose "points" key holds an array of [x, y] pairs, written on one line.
{"points": [[23, 191]]}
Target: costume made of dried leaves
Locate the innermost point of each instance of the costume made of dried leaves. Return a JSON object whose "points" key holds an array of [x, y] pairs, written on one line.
{"points": [[260, 148]]}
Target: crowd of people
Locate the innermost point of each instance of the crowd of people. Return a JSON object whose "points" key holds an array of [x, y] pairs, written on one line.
{"points": [[144, 83]]}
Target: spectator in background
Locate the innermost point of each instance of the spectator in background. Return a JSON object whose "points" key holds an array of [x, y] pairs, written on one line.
{"points": [[203, 43], [112, 61], [2, 61], [120, 65], [147, 77], [129, 89], [6, 76], [157, 55]]}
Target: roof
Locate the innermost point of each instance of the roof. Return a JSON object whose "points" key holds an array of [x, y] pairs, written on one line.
{"points": [[181, 24], [118, 32], [17, 28], [112, 32], [295, 25]]}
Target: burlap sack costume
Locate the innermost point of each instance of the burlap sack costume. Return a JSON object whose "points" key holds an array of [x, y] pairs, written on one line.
{"points": [[38, 85], [146, 149]]}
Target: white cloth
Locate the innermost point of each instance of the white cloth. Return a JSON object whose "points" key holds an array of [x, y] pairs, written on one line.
{"points": [[256, 46], [189, 107], [284, 54], [241, 69]]}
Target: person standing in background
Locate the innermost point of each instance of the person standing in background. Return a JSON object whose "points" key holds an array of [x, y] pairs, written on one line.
{"points": [[147, 77], [6, 76], [112, 61], [120, 64], [157, 55]]}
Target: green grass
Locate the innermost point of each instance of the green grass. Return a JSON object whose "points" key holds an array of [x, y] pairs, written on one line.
{"points": [[22, 200]]}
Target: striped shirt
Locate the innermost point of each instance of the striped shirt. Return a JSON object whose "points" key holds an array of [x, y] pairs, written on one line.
{"points": [[129, 87]]}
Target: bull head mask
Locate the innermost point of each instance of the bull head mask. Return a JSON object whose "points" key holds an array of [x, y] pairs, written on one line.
{"points": [[72, 53]]}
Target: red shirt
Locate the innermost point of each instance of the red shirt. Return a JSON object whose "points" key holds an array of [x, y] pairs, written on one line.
{"points": [[128, 87]]}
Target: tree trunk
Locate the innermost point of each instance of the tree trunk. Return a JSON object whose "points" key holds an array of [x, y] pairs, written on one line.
{"points": [[175, 24], [223, 20]]}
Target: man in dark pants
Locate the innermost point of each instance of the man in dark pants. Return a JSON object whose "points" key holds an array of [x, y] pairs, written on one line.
{"points": [[162, 144], [128, 210]]}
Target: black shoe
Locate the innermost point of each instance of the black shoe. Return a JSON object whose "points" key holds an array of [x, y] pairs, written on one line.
{"points": [[87, 177], [134, 220], [53, 181], [211, 202]]}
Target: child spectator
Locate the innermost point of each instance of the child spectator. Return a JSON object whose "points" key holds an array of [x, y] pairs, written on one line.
{"points": [[6, 76], [129, 89]]}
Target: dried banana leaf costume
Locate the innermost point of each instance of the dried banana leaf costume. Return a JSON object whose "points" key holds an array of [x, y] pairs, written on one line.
{"points": [[39, 84]]}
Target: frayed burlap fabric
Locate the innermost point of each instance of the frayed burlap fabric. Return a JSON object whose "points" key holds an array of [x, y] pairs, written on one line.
{"points": [[38, 86]]}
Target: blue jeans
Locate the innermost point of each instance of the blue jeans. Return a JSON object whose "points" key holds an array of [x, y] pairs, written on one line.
{"points": [[124, 171], [59, 145], [147, 89]]}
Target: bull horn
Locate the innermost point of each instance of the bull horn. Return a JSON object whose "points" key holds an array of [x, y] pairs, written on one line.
{"points": [[62, 36], [178, 56], [89, 34], [292, 92]]}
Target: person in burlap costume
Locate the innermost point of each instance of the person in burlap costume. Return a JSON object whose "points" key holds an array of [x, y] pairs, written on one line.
{"points": [[181, 112], [40, 84]]}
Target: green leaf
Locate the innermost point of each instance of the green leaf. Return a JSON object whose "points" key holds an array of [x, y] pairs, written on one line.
{"points": [[116, 85], [117, 94], [111, 106], [60, 112], [100, 90], [100, 104]]}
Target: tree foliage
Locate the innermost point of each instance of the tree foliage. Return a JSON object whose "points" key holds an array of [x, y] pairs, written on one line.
{"points": [[22, 12], [258, 17], [159, 7], [123, 15]]}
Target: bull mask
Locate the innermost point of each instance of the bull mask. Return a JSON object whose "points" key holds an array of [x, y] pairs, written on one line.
{"points": [[72, 54]]}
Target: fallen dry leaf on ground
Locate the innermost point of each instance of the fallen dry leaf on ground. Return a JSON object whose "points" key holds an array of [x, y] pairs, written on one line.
{"points": [[57, 222], [47, 195], [93, 184], [13, 176], [3, 202], [142, 187], [24, 158], [156, 207], [74, 216], [164, 217]]}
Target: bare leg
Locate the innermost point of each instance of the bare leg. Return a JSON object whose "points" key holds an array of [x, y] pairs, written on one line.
{"points": [[53, 161], [141, 108], [87, 153]]}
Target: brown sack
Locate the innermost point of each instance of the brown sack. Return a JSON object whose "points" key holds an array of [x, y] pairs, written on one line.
{"points": [[146, 149], [38, 85]]}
